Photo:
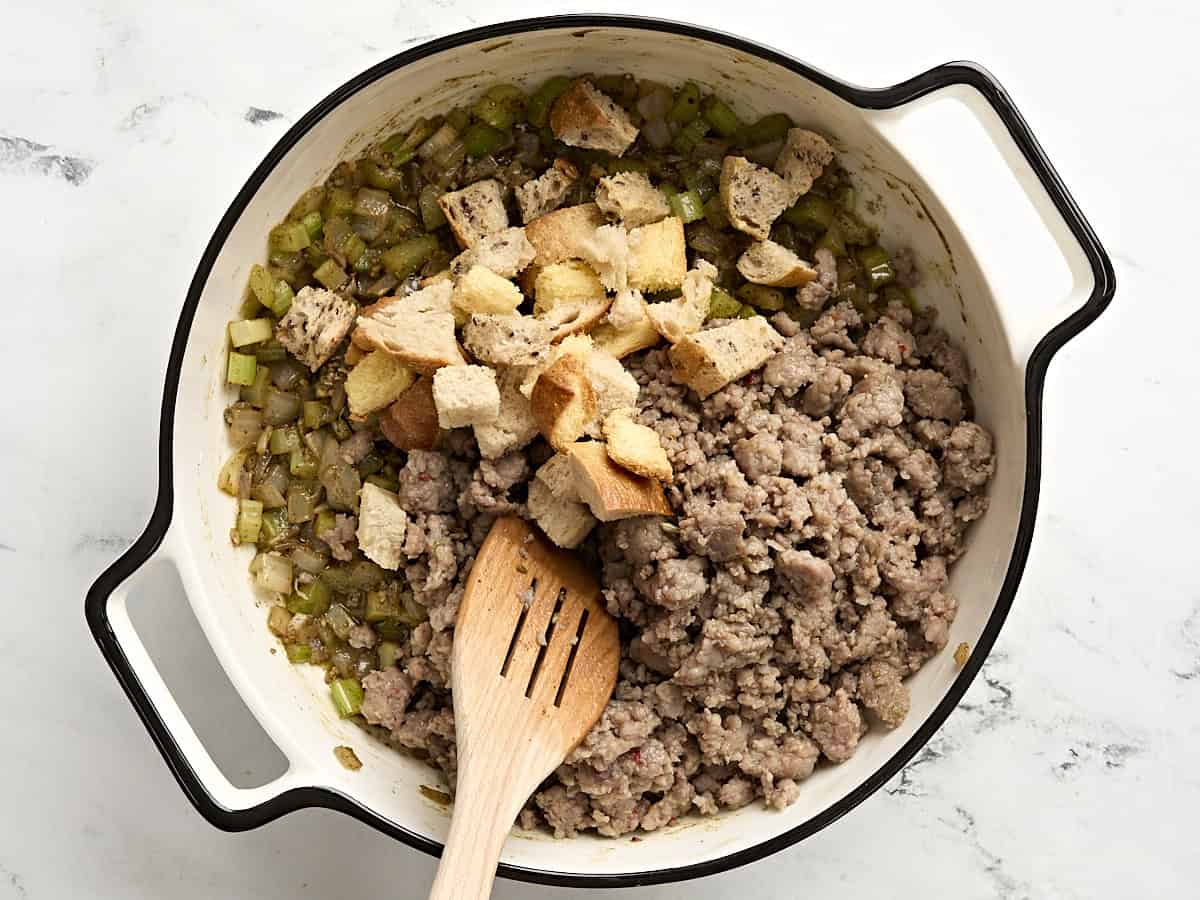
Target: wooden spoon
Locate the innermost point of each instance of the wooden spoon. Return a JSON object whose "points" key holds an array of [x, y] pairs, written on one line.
{"points": [[535, 662]]}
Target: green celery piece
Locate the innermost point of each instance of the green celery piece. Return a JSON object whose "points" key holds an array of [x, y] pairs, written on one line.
{"points": [[281, 298], [747, 312], [714, 213], [330, 274], [249, 521], [878, 266], [301, 462], [811, 212], [353, 247], [389, 652], [368, 261], [845, 197], [408, 256], [256, 393], [298, 653], [382, 605], [242, 368], [722, 304], [481, 139], [270, 352], [432, 216], [687, 104], [687, 206], [854, 229], [312, 601], [459, 118], [325, 519], [832, 240], [312, 224], [391, 630], [347, 696], [314, 414], [310, 201], [261, 285], [538, 110], [289, 237], [250, 331], [762, 297], [378, 177], [338, 202], [274, 523], [767, 129], [284, 439], [689, 136], [718, 114]]}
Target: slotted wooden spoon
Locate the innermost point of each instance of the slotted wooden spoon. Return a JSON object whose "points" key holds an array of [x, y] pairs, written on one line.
{"points": [[535, 662]]}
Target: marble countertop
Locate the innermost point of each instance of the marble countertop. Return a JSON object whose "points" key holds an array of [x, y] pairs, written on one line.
{"points": [[1069, 769]]}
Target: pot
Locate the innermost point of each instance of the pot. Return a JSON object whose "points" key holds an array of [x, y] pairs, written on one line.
{"points": [[944, 159]]}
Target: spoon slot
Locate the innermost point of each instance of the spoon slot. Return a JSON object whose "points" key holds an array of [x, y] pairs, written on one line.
{"points": [[526, 602], [545, 641], [562, 685]]}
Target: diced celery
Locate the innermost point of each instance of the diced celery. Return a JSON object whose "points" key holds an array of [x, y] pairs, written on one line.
{"points": [[231, 472], [274, 573], [689, 136], [256, 393], [309, 201], [854, 229], [718, 114], [832, 240], [812, 212], [432, 216], [389, 652], [285, 439], [330, 274], [715, 214], [722, 304], [277, 620], [686, 106], [877, 265], [298, 653], [242, 368], [369, 261], [391, 630], [767, 129], [414, 613], [441, 139], [747, 312], [325, 521], [481, 139], [289, 237], [250, 331], [338, 202], [381, 481], [408, 256], [260, 284], [382, 605], [762, 297], [312, 224], [543, 98], [687, 206], [459, 118], [312, 600], [249, 521], [281, 298], [301, 462], [315, 413], [353, 247], [347, 696], [302, 496], [377, 176], [340, 620], [274, 524], [341, 429], [500, 107], [269, 352]]}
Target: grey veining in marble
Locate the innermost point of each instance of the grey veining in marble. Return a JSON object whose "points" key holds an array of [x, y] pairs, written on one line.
{"points": [[1068, 771]]}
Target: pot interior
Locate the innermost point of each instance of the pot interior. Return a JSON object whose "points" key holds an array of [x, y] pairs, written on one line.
{"points": [[292, 703]]}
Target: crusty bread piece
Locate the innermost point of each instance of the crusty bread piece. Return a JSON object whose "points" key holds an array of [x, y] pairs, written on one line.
{"points": [[613, 386], [559, 235], [621, 343], [572, 345], [556, 473], [566, 522], [354, 354], [584, 117], [766, 262], [434, 298], [514, 426], [483, 291], [507, 340], [376, 382], [803, 158], [610, 491], [630, 198], [708, 360], [563, 402], [571, 281], [446, 275], [314, 326], [507, 253], [422, 341], [658, 256], [466, 396], [382, 524], [411, 423], [475, 212], [753, 197], [634, 446], [610, 252], [547, 192], [674, 319], [574, 318]]}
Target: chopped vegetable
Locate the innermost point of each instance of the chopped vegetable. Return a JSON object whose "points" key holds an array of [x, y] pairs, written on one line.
{"points": [[284, 440], [315, 413], [230, 477], [278, 620], [543, 98], [408, 256], [769, 128], [301, 462], [722, 305], [689, 136], [260, 284], [687, 206], [718, 114], [289, 237], [348, 758], [432, 216], [330, 274], [274, 573], [249, 521], [274, 524], [877, 265], [389, 652], [242, 368], [281, 298], [812, 212], [382, 605], [747, 312], [500, 107], [312, 224], [347, 696], [687, 104], [482, 139], [762, 297], [312, 600], [298, 653]]}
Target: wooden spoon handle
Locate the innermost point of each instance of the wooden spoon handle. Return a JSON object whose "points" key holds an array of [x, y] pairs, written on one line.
{"points": [[483, 816]]}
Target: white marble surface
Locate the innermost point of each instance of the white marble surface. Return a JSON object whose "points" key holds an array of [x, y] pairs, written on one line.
{"points": [[1068, 772]]}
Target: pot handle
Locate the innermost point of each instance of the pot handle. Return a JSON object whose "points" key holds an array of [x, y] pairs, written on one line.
{"points": [[220, 801], [1037, 331]]}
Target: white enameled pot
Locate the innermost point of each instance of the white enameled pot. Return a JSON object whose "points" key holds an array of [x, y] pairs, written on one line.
{"points": [[947, 166]]}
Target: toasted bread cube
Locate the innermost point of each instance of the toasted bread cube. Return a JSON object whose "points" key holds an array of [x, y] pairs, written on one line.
{"points": [[575, 318], [507, 340], [684, 315], [411, 423], [390, 310], [547, 192], [507, 253], [630, 198], [316, 323], [610, 491], [634, 446], [483, 291], [659, 256], [566, 522], [559, 235], [465, 396], [610, 252], [445, 276], [630, 340], [579, 345], [708, 360], [766, 262], [475, 212], [753, 197], [563, 402], [585, 117], [354, 354], [514, 427], [613, 386], [382, 524], [556, 473], [422, 341], [571, 281], [376, 382], [803, 158]]}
